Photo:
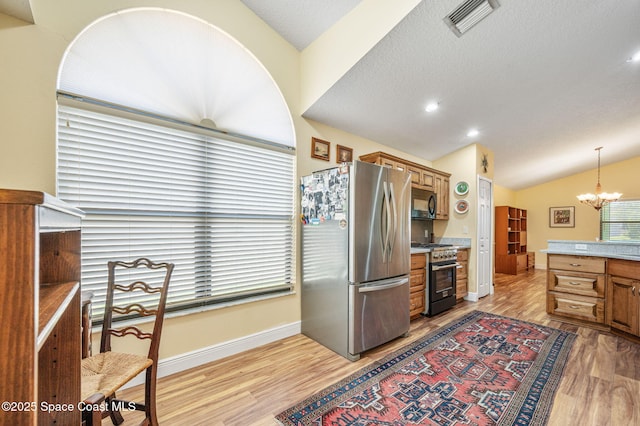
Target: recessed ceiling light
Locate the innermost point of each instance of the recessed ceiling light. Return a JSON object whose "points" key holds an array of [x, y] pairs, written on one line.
{"points": [[432, 106], [635, 57], [472, 133]]}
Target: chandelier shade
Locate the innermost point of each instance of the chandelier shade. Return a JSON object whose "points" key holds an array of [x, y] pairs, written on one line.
{"points": [[599, 199]]}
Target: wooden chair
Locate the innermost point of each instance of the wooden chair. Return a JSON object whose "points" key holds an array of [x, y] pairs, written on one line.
{"points": [[104, 373]]}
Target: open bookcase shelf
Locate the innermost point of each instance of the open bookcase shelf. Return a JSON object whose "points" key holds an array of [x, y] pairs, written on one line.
{"points": [[40, 338], [511, 240]]}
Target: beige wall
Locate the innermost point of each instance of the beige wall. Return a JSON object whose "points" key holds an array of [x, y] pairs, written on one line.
{"points": [[465, 165], [31, 58], [620, 177], [504, 196], [31, 55]]}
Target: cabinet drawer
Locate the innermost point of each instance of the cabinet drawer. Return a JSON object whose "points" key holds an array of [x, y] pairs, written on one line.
{"points": [[417, 280], [416, 303], [461, 272], [461, 288], [577, 263], [591, 285], [624, 268], [463, 255], [578, 307], [418, 261]]}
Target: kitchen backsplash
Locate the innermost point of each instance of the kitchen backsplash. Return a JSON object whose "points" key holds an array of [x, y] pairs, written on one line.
{"points": [[418, 229]]}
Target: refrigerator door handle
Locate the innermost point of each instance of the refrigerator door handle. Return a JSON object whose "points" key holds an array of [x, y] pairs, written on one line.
{"points": [[387, 221], [384, 286], [392, 238]]}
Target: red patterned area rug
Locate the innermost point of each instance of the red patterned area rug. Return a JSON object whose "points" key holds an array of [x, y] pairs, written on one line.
{"points": [[482, 369]]}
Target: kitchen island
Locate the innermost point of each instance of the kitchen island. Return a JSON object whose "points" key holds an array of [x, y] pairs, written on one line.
{"points": [[608, 249], [595, 283]]}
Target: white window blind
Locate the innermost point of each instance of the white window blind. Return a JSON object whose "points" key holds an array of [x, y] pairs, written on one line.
{"points": [[221, 210], [620, 221]]}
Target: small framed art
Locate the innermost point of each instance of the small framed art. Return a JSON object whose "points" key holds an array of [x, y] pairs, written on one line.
{"points": [[320, 149], [344, 154], [562, 217]]}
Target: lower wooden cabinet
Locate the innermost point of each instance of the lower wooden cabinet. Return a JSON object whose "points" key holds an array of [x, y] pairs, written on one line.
{"points": [[512, 264], [576, 288], [462, 274], [577, 307], [624, 295], [417, 286], [601, 291]]}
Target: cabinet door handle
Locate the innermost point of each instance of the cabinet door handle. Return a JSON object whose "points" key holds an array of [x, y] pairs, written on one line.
{"points": [[574, 306], [573, 283], [633, 290], [575, 265]]}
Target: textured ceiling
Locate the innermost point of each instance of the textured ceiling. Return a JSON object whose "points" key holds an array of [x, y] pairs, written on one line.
{"points": [[300, 21], [544, 81]]}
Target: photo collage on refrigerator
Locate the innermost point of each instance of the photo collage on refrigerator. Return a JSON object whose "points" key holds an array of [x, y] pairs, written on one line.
{"points": [[324, 196]]}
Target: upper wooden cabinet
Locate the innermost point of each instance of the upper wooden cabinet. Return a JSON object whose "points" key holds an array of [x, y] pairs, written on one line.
{"points": [[421, 177], [441, 188]]}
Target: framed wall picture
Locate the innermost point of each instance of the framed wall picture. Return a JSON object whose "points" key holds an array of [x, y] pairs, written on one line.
{"points": [[562, 217], [344, 154], [320, 149]]}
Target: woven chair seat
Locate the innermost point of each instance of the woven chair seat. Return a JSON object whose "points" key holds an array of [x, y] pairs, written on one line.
{"points": [[106, 372]]}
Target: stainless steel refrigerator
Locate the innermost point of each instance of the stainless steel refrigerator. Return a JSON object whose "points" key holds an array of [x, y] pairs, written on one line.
{"points": [[356, 256]]}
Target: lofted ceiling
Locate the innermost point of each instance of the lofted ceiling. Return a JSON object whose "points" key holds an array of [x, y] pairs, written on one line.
{"points": [[20, 9], [545, 82]]}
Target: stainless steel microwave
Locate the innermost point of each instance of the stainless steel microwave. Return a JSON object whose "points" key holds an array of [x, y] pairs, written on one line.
{"points": [[423, 204]]}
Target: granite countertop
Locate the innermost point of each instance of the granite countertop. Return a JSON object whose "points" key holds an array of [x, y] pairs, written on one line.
{"points": [[613, 250], [457, 243]]}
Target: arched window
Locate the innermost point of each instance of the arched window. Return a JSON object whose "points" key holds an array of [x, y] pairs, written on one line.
{"points": [[179, 147]]}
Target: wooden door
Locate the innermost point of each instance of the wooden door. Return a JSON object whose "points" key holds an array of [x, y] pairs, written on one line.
{"points": [[624, 302]]}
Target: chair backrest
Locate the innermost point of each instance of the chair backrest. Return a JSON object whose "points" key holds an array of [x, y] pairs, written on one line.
{"points": [[141, 274]]}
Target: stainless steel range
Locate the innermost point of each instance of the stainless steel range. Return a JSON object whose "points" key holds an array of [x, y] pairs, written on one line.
{"points": [[440, 292]]}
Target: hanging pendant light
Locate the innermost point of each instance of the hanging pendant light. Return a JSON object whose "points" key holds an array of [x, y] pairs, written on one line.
{"points": [[600, 198]]}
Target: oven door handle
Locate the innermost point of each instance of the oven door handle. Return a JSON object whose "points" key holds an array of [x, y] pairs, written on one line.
{"points": [[452, 265]]}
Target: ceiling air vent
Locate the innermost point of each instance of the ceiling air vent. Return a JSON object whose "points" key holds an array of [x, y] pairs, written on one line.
{"points": [[468, 14]]}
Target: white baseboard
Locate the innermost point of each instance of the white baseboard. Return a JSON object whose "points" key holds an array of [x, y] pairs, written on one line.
{"points": [[472, 297], [178, 363]]}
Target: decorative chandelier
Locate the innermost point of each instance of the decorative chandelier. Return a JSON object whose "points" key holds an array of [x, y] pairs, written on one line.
{"points": [[600, 198]]}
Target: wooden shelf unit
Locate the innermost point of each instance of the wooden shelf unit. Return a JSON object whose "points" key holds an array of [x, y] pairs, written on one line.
{"points": [[511, 240], [40, 339]]}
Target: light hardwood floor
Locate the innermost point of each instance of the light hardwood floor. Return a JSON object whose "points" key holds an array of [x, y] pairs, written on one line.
{"points": [[600, 386]]}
